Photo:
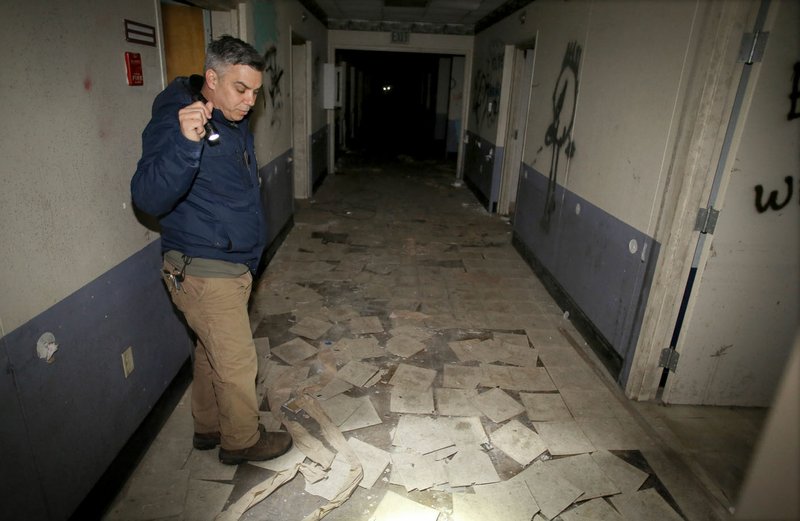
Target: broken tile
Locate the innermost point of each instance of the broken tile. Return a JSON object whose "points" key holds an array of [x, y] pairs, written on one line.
{"points": [[364, 416], [519, 442], [394, 506], [373, 460], [340, 407], [404, 346], [472, 350], [592, 403], [547, 338], [336, 479], [462, 376], [516, 378], [332, 388], [311, 328], [594, 510], [585, 474], [552, 492], [456, 402], [506, 501], [520, 355], [545, 406], [497, 405], [412, 377], [471, 466], [405, 400], [644, 504], [416, 471], [563, 438], [357, 373], [624, 475], [364, 325], [294, 351]]}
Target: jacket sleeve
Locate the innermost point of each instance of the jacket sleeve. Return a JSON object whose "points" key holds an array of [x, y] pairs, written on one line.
{"points": [[168, 165]]}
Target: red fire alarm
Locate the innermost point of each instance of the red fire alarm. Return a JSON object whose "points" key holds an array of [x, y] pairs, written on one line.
{"points": [[133, 65]]}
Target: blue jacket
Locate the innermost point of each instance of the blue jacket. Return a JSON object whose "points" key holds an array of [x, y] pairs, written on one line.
{"points": [[207, 197]]}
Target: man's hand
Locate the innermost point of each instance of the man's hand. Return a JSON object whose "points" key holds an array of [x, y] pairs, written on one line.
{"points": [[193, 117]]}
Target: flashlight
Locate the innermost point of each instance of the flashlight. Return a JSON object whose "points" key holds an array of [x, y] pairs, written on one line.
{"points": [[212, 134]]}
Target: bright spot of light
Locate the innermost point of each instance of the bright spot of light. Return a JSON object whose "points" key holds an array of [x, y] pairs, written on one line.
{"points": [[387, 88]]}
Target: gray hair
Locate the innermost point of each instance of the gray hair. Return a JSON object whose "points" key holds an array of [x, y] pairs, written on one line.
{"points": [[227, 50]]}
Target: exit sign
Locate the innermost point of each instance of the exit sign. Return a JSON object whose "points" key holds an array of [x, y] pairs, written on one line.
{"points": [[400, 36]]}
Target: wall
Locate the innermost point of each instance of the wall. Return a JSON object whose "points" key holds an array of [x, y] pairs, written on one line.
{"points": [[76, 260], [609, 78]]}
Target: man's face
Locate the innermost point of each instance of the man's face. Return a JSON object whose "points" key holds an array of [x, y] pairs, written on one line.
{"points": [[234, 91]]}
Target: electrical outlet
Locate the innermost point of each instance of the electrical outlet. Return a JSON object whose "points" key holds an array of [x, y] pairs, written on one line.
{"points": [[127, 361]]}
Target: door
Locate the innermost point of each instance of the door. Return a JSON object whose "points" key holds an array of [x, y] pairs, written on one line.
{"points": [[743, 309], [522, 79], [184, 40]]}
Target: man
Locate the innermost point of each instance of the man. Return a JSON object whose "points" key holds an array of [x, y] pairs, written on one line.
{"points": [[207, 198]]}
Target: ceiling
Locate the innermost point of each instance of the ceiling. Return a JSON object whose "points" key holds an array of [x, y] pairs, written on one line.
{"points": [[422, 16]]}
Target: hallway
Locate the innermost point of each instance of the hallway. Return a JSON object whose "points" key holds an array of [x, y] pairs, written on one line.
{"points": [[398, 305]]}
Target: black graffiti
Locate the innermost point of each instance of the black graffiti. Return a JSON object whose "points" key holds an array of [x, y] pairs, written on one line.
{"points": [[487, 95], [772, 201], [274, 75], [795, 94], [559, 133]]}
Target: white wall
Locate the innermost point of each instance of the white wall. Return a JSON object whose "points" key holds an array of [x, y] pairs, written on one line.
{"points": [[71, 144]]}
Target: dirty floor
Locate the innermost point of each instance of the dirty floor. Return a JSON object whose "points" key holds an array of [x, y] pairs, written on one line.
{"points": [[426, 374]]}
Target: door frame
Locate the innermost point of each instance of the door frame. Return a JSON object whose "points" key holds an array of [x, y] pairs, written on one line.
{"points": [[712, 81]]}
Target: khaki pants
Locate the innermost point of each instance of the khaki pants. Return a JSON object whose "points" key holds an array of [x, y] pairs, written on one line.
{"points": [[225, 362]]}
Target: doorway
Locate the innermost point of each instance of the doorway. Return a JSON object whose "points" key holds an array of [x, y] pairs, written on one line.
{"points": [[300, 88]]}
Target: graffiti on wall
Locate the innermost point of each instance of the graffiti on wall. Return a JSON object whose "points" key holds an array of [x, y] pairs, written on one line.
{"points": [[274, 74], [559, 133], [772, 202], [794, 95], [487, 85]]}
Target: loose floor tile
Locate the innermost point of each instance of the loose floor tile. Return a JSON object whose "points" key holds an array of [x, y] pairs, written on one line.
{"points": [[520, 355], [364, 416], [464, 432], [294, 351], [592, 403], [335, 481], [394, 507], [373, 461], [364, 325], [456, 402], [545, 407], [517, 378], [404, 346], [332, 388], [547, 338], [416, 471], [552, 492], [362, 348], [462, 376], [340, 407], [311, 328], [644, 504], [421, 434], [357, 373], [405, 400], [412, 377], [414, 332], [506, 501], [513, 338], [471, 466], [563, 438], [518, 442], [498, 406], [585, 474], [474, 350], [594, 510], [574, 376], [624, 475]]}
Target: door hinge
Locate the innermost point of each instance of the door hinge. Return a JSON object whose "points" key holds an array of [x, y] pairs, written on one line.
{"points": [[752, 48], [706, 221], [669, 359]]}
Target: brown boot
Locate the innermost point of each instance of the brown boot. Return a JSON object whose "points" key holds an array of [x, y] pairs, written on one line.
{"points": [[205, 440], [269, 446]]}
